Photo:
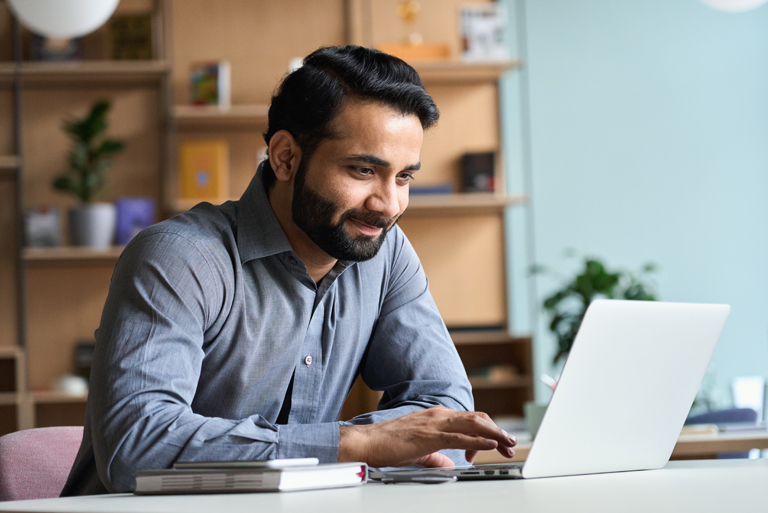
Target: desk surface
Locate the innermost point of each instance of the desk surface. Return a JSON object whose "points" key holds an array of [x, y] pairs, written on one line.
{"points": [[701, 486]]}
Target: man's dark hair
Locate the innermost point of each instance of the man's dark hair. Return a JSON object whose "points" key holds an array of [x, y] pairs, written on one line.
{"points": [[308, 99]]}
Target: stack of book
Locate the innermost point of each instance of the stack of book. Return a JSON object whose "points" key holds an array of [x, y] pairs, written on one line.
{"points": [[250, 476]]}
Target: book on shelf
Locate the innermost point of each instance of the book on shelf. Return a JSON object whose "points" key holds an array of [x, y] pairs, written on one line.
{"points": [[131, 36], [134, 213], [237, 477], [432, 190], [210, 83], [204, 170], [484, 32]]}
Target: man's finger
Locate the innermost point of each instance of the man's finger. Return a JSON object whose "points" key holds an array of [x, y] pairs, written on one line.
{"points": [[472, 423], [435, 460], [466, 442]]}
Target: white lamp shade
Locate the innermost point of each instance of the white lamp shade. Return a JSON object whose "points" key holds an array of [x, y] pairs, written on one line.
{"points": [[63, 19], [734, 5]]}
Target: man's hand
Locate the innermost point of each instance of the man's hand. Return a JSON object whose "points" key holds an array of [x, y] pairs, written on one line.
{"points": [[415, 439]]}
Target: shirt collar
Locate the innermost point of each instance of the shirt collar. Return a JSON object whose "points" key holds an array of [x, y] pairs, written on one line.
{"points": [[259, 234]]}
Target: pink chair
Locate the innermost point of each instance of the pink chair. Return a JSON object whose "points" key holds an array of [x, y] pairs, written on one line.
{"points": [[35, 463]]}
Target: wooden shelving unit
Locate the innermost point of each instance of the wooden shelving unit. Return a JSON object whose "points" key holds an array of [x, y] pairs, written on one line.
{"points": [[487, 384], [9, 166], [71, 253], [461, 72], [53, 397], [464, 338], [466, 93], [86, 72], [9, 162], [13, 411], [473, 203], [55, 307], [212, 116]]}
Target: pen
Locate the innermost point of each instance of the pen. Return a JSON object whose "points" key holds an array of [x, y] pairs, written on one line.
{"points": [[417, 478]]}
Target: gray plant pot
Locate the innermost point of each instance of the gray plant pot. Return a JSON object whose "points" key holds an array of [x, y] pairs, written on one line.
{"points": [[93, 225]]}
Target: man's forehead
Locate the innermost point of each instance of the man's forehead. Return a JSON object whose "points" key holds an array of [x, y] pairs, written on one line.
{"points": [[356, 114]]}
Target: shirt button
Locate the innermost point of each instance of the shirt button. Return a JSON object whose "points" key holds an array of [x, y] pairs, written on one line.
{"points": [[292, 260], [308, 360]]}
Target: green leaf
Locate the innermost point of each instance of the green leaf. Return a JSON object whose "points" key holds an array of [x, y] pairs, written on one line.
{"points": [[567, 306], [110, 146]]}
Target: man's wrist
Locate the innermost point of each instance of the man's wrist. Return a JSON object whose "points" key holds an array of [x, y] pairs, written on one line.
{"points": [[351, 444]]}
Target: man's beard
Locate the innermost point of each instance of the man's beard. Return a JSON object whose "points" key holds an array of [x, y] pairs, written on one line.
{"points": [[314, 215]]}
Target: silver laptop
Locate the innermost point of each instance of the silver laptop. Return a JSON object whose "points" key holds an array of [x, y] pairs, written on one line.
{"points": [[623, 396]]}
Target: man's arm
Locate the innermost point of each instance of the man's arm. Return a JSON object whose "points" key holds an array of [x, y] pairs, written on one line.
{"points": [[427, 403], [166, 300]]}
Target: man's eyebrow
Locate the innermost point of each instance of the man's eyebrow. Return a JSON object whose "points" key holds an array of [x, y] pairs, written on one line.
{"points": [[369, 159], [376, 161]]}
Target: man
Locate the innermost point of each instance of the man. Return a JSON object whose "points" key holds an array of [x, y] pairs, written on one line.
{"points": [[234, 332]]}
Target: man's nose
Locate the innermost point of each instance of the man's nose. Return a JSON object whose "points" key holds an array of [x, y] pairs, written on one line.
{"points": [[385, 199]]}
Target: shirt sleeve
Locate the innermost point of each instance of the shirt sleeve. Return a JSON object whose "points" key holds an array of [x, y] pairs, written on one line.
{"points": [[164, 295], [411, 356]]}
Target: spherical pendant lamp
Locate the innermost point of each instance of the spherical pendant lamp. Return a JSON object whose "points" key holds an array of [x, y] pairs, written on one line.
{"points": [[62, 19]]}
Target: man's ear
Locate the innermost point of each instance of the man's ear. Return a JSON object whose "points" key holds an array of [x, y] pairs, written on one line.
{"points": [[284, 155]]}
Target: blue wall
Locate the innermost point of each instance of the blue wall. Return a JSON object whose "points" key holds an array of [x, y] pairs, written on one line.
{"points": [[647, 141]]}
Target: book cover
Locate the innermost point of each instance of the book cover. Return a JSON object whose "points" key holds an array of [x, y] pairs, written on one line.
{"points": [[484, 32], [204, 170], [233, 480], [131, 37], [210, 83], [133, 215]]}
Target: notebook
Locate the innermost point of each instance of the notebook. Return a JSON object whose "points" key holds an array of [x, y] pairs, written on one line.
{"points": [[235, 476], [624, 393]]}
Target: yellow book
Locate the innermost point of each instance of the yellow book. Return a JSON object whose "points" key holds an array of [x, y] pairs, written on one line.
{"points": [[204, 170]]}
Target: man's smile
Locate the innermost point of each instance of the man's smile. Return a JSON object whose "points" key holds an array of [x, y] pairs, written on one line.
{"points": [[365, 229]]}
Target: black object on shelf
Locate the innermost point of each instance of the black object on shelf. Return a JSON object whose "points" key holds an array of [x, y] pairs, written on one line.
{"points": [[477, 171]]}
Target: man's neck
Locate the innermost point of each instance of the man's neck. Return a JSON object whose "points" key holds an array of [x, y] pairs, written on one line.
{"points": [[318, 262]]}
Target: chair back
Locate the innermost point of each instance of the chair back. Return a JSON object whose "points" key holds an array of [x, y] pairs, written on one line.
{"points": [[35, 463]]}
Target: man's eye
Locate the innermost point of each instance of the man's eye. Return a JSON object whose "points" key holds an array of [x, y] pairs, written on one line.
{"points": [[364, 170], [407, 177]]}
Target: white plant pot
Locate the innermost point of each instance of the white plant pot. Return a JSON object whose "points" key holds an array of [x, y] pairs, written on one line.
{"points": [[93, 225]]}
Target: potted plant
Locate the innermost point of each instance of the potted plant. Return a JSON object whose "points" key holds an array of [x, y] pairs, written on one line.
{"points": [[566, 307], [91, 224]]}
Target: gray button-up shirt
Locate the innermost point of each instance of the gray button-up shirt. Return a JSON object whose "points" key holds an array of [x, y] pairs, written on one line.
{"points": [[211, 313]]}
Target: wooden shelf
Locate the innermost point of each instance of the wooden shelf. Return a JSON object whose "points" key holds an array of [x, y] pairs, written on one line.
{"points": [[9, 398], [51, 397], [71, 253], [481, 337], [200, 116], [87, 72], [9, 352], [463, 203], [9, 162], [9, 165], [459, 72], [487, 384]]}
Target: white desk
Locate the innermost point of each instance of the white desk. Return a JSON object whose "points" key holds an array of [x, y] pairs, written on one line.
{"points": [[701, 486]]}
